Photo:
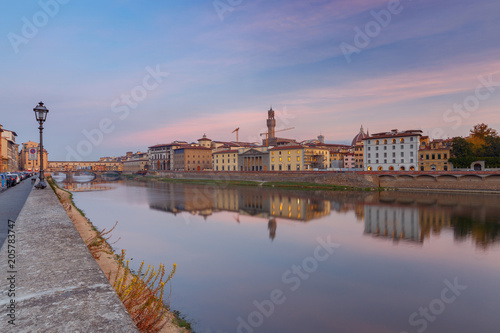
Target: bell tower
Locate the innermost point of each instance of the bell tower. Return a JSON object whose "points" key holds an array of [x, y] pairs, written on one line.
{"points": [[271, 123]]}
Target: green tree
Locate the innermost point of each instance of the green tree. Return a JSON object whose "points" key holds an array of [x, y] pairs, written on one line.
{"points": [[461, 152]]}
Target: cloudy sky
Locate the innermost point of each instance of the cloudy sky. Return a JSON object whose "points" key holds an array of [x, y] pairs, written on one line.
{"points": [[121, 75]]}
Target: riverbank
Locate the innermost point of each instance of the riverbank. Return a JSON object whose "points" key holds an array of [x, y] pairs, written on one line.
{"points": [[108, 263], [453, 181], [292, 185]]}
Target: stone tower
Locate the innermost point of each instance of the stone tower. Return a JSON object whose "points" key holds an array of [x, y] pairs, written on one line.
{"points": [[271, 124]]}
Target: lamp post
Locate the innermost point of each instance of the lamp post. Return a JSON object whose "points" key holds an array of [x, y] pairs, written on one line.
{"points": [[41, 115]]}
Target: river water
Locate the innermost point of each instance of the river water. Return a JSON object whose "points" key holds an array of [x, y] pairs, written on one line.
{"points": [[255, 259]]}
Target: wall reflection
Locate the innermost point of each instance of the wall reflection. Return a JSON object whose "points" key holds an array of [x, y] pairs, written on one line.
{"points": [[395, 216]]}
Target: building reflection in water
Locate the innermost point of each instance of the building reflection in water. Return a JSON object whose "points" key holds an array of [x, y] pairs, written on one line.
{"points": [[255, 202], [397, 223], [411, 217]]}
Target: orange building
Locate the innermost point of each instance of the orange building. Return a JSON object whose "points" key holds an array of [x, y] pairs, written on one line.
{"points": [[31, 165], [192, 158]]}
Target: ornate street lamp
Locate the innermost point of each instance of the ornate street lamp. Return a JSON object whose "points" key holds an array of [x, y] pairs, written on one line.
{"points": [[41, 115]]}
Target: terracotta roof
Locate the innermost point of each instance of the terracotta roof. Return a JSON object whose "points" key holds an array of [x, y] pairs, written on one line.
{"points": [[226, 151], [287, 147], [384, 135], [193, 147]]}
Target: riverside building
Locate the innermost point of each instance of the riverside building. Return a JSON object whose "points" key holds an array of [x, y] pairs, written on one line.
{"points": [[392, 151]]}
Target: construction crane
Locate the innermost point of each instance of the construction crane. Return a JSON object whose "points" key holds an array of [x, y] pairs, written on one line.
{"points": [[237, 131], [267, 134]]}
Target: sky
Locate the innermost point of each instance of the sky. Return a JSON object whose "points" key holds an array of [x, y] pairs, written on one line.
{"points": [[122, 75]]}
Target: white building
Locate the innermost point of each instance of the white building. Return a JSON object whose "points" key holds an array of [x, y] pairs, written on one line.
{"points": [[392, 151]]}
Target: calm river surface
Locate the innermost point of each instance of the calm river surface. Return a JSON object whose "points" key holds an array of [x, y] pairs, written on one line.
{"points": [[263, 260]]}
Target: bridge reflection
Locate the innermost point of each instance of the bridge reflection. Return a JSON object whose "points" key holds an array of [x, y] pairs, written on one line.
{"points": [[411, 217]]}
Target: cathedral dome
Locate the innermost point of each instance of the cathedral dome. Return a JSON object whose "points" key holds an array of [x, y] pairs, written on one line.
{"points": [[359, 137]]}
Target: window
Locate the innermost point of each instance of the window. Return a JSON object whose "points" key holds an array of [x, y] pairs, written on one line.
{"points": [[272, 167], [411, 138], [280, 161], [421, 157], [280, 167], [380, 168], [402, 160], [289, 158], [289, 167], [369, 168], [385, 154], [376, 161], [393, 141], [427, 156], [369, 155], [298, 158], [433, 156], [376, 142], [376, 148], [369, 148], [402, 140], [393, 160], [393, 154], [402, 154], [411, 160], [385, 161], [385, 147], [402, 147], [393, 147], [411, 153], [439, 156], [298, 167], [376, 155], [272, 159], [445, 156], [385, 141], [298, 151]]}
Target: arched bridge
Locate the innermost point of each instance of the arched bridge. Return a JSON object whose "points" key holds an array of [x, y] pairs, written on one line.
{"points": [[97, 175]]}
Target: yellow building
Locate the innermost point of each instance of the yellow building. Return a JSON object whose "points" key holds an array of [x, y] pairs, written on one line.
{"points": [[31, 165], [434, 155], [298, 158], [225, 160]]}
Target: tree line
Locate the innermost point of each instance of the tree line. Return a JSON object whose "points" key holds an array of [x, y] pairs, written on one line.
{"points": [[482, 144]]}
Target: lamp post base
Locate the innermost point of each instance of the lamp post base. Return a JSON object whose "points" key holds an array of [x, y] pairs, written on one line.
{"points": [[41, 185]]}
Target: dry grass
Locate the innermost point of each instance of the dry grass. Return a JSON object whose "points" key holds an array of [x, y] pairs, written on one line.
{"points": [[99, 243], [142, 293]]}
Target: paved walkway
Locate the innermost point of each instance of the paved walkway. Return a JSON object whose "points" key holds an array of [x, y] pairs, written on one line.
{"points": [[11, 202], [51, 283]]}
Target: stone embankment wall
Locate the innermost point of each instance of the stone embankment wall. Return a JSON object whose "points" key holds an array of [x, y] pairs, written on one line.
{"points": [[319, 177], [52, 283], [465, 181]]}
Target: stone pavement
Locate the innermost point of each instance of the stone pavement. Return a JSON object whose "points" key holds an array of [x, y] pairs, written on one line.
{"points": [[54, 284], [11, 202]]}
